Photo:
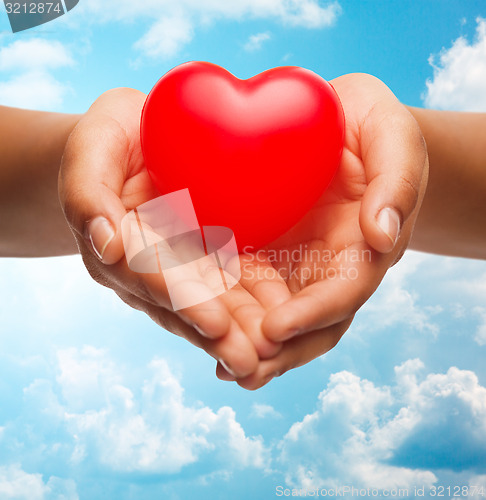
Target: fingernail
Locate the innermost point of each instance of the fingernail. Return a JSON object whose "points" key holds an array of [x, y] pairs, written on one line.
{"points": [[200, 331], [227, 367], [296, 331], [99, 233], [388, 221], [293, 332]]}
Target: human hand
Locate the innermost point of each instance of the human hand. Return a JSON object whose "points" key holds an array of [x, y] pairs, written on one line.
{"points": [[102, 177], [358, 229], [108, 179]]}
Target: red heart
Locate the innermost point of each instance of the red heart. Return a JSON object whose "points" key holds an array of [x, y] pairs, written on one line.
{"points": [[255, 154]]}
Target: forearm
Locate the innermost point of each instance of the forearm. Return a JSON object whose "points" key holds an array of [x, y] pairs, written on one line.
{"points": [[31, 220], [452, 220]]}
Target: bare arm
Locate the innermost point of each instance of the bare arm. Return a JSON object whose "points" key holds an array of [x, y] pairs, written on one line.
{"points": [[31, 220], [452, 220]]}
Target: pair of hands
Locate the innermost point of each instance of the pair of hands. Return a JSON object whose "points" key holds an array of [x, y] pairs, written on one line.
{"points": [[284, 312]]}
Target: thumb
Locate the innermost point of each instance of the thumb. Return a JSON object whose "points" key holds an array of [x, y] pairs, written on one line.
{"points": [[395, 160], [91, 179]]}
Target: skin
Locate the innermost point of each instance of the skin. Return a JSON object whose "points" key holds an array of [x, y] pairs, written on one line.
{"points": [[451, 221], [85, 167], [31, 220]]}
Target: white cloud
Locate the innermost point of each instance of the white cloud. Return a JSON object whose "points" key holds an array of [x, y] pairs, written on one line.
{"points": [[309, 14], [34, 54], [259, 410], [33, 90], [166, 37], [176, 22], [480, 336], [135, 420], [475, 288], [471, 286], [255, 42], [30, 83], [459, 74], [139, 429], [60, 293], [391, 436], [16, 484], [86, 378], [394, 303]]}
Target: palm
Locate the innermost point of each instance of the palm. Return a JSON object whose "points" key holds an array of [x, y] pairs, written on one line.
{"points": [[329, 229]]}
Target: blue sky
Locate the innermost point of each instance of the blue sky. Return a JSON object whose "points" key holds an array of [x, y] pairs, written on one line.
{"points": [[98, 402]]}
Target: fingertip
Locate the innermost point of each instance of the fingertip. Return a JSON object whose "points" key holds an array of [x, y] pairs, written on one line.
{"points": [[211, 319], [255, 381], [381, 230], [94, 214], [223, 374], [104, 240], [213, 331], [279, 324], [243, 367], [234, 352], [250, 321], [239, 356], [267, 348], [388, 222]]}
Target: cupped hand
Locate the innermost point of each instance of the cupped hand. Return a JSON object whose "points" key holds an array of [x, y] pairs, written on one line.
{"points": [[333, 260], [102, 177], [304, 289]]}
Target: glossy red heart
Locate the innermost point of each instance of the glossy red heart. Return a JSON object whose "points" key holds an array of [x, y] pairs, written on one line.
{"points": [[255, 154]]}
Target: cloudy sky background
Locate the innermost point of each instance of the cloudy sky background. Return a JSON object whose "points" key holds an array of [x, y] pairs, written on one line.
{"points": [[97, 402]]}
